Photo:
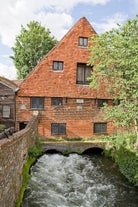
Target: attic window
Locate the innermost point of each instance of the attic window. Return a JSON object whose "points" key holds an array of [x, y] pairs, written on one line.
{"points": [[57, 65], [83, 41]]}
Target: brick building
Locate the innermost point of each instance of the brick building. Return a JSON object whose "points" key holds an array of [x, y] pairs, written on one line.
{"points": [[59, 89]]}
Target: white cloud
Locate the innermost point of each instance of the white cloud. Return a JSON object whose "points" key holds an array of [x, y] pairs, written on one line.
{"points": [[8, 71], [57, 23], [109, 23], [53, 14]]}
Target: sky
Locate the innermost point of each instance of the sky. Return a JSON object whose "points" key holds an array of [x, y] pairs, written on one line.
{"points": [[59, 16]]}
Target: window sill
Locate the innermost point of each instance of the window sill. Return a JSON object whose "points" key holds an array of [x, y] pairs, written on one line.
{"points": [[100, 133], [83, 47], [56, 71], [36, 109], [82, 85]]}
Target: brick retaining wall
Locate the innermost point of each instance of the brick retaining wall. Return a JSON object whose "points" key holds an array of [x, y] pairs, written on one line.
{"points": [[13, 155]]}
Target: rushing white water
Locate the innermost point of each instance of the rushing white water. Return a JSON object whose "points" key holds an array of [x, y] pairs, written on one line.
{"points": [[77, 181]]}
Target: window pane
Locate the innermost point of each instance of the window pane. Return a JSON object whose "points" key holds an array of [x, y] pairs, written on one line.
{"points": [[60, 66], [62, 128], [56, 101], [40, 103], [87, 74], [85, 42], [80, 41], [58, 129], [57, 65], [80, 75], [54, 128], [100, 128], [36, 102], [83, 72], [6, 111]]}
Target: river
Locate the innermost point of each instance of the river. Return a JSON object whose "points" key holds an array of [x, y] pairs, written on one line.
{"points": [[78, 181]]}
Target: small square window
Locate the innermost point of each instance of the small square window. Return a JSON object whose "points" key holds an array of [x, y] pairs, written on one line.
{"points": [[58, 128], [57, 65], [83, 41], [100, 128], [56, 101], [101, 102], [37, 102]]}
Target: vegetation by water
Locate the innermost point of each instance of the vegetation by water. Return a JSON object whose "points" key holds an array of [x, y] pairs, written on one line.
{"points": [[123, 152], [33, 154]]}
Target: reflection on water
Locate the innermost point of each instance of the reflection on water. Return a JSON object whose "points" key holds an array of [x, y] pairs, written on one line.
{"points": [[78, 181]]}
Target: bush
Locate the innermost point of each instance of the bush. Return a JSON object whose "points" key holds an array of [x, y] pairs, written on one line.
{"points": [[35, 152], [123, 152], [128, 164]]}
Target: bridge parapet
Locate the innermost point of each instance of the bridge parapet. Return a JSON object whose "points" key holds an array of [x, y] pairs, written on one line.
{"points": [[71, 146]]}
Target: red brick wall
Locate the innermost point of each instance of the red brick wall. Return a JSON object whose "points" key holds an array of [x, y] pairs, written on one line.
{"points": [[45, 82], [79, 117]]}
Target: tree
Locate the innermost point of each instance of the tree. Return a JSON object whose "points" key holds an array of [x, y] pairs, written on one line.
{"points": [[114, 55], [30, 46]]}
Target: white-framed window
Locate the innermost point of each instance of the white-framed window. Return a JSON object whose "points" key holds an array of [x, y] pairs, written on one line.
{"points": [[57, 65], [83, 41]]}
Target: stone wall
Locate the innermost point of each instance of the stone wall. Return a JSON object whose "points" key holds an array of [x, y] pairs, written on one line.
{"points": [[13, 155]]}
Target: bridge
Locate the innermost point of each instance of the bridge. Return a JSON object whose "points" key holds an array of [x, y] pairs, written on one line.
{"points": [[72, 146]]}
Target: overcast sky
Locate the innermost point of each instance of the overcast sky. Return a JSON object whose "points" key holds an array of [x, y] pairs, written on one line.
{"points": [[59, 16]]}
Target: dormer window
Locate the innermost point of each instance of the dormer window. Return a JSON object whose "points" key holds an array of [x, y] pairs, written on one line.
{"points": [[57, 65], [83, 41]]}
